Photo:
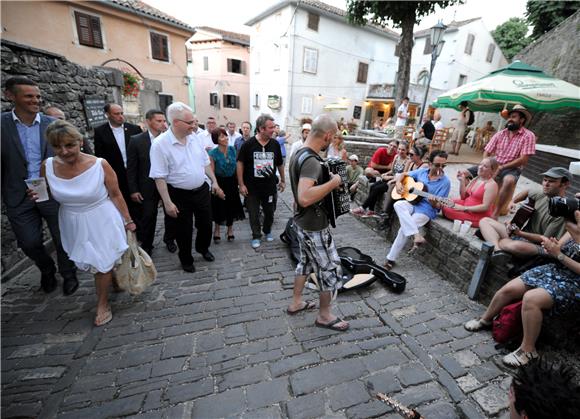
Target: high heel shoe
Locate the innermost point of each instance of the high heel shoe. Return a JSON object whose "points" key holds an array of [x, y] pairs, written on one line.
{"points": [[231, 238], [216, 239]]}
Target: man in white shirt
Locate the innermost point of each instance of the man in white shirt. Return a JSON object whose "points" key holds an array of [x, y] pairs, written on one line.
{"points": [[233, 135], [297, 145], [437, 121], [179, 166], [202, 136], [402, 115]]}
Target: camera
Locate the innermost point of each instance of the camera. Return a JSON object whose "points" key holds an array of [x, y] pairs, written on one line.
{"points": [[563, 207]]}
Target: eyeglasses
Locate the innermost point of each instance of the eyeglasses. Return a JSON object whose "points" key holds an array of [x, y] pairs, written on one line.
{"points": [[186, 122], [439, 165], [411, 154]]}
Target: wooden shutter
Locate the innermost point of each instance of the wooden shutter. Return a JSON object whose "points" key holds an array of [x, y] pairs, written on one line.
{"points": [[469, 44], [363, 69], [397, 50], [159, 47], [490, 52], [237, 102], [428, 48], [313, 20], [89, 30], [229, 65]]}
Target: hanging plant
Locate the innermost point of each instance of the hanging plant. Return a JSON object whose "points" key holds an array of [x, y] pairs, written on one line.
{"points": [[131, 84]]}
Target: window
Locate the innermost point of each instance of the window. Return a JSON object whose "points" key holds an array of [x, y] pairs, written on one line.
{"points": [[256, 100], [89, 30], [428, 47], [214, 100], [313, 20], [205, 63], [422, 78], [159, 46], [307, 104], [310, 61], [363, 70], [469, 44], [490, 52], [236, 66], [232, 101], [397, 50], [462, 80]]}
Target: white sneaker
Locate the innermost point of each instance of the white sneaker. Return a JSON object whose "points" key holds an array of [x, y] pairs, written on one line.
{"points": [[476, 325], [269, 237], [518, 358], [255, 243]]}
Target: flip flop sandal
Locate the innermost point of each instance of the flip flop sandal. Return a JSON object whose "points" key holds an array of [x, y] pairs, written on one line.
{"points": [[106, 317], [308, 305], [332, 325]]}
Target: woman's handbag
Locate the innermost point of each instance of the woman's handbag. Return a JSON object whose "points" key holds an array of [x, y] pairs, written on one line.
{"points": [[136, 271]]}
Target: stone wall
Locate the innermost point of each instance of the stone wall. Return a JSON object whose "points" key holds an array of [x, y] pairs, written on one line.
{"points": [[558, 54], [62, 84]]}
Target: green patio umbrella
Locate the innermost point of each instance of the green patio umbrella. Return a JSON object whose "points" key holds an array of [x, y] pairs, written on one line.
{"points": [[516, 83]]}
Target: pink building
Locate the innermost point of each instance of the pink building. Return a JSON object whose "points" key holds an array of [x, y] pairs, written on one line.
{"points": [[220, 75]]}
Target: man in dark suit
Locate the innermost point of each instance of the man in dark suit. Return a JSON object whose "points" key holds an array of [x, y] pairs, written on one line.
{"points": [[142, 188], [24, 147], [111, 142]]}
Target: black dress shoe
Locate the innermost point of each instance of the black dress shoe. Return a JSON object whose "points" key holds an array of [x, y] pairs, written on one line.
{"points": [[70, 285], [171, 246], [188, 268], [208, 256], [48, 282]]}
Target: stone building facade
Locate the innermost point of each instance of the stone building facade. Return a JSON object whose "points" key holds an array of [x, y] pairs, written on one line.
{"points": [[558, 54]]}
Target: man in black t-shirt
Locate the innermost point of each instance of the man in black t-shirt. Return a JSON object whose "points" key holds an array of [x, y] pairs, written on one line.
{"points": [[428, 129], [258, 159], [318, 253]]}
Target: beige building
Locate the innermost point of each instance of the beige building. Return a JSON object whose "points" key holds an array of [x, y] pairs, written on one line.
{"points": [[115, 33], [221, 75]]}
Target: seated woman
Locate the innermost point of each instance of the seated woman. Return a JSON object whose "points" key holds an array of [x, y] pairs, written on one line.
{"points": [[336, 149], [416, 158], [552, 288], [225, 209], [386, 185], [477, 197]]}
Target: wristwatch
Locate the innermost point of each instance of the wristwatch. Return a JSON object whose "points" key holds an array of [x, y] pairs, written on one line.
{"points": [[561, 257]]}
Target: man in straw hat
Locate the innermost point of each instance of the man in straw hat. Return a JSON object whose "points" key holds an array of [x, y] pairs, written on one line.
{"points": [[512, 148]]}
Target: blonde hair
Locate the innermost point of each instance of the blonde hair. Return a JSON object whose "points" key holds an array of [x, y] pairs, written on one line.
{"points": [[58, 131]]}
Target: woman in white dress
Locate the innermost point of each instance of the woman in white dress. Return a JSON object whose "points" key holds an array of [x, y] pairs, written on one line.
{"points": [[92, 216]]}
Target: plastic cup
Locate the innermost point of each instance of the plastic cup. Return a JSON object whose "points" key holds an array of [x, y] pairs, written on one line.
{"points": [[456, 225], [38, 185], [464, 229]]}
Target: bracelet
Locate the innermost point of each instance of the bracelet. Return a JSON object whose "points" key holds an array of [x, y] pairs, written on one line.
{"points": [[128, 222]]}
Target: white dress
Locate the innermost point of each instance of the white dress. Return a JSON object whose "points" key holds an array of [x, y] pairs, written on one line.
{"points": [[91, 227]]}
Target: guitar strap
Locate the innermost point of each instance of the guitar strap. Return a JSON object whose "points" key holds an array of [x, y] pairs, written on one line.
{"points": [[302, 155]]}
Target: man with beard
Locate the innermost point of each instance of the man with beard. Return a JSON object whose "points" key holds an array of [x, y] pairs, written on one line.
{"points": [[411, 217], [318, 253], [511, 147]]}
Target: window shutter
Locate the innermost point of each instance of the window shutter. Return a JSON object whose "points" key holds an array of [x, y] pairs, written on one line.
{"points": [[164, 48], [363, 69], [313, 20], [490, 52], [155, 46], [469, 44], [96, 31], [229, 65], [237, 102], [397, 50], [428, 48], [205, 63], [159, 46], [243, 67], [89, 30]]}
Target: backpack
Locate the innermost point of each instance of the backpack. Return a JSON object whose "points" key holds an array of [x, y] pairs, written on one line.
{"points": [[471, 117], [508, 325]]}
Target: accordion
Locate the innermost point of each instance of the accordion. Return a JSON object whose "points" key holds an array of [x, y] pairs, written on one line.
{"points": [[337, 202]]}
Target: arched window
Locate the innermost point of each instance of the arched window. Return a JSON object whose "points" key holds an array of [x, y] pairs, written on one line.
{"points": [[422, 78]]}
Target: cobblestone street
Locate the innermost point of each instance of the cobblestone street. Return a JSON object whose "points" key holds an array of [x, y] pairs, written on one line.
{"points": [[218, 343]]}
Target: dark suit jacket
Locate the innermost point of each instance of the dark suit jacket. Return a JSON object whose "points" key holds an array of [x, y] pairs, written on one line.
{"points": [[107, 148], [14, 164], [139, 165]]}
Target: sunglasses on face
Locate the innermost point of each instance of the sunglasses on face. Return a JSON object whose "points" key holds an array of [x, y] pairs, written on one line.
{"points": [[440, 165], [411, 154]]}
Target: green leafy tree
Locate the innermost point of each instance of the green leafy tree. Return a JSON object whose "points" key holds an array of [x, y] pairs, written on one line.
{"points": [[403, 15], [511, 36], [546, 15]]}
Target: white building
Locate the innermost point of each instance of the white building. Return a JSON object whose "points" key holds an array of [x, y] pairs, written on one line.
{"points": [[305, 57], [468, 54]]}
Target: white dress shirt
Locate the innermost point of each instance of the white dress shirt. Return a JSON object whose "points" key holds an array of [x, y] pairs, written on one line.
{"points": [[232, 138], [119, 134], [181, 165], [203, 137], [404, 109]]}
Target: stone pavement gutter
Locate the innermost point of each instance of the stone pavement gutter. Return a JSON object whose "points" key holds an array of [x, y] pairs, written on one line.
{"points": [[218, 343]]}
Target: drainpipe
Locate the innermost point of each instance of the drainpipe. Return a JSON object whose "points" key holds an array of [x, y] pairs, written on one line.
{"points": [[290, 87]]}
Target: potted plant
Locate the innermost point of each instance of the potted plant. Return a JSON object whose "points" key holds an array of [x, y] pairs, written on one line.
{"points": [[131, 84]]}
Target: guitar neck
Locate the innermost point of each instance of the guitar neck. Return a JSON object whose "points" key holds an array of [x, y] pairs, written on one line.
{"points": [[445, 201]]}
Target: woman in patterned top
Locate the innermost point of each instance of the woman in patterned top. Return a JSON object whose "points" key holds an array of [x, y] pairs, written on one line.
{"points": [[225, 209], [552, 288]]}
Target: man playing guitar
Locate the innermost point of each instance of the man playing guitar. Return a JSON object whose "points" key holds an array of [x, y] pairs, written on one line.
{"points": [[411, 217]]}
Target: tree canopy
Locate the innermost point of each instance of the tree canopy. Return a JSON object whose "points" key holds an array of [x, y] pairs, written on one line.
{"points": [[403, 15], [511, 36], [546, 15]]}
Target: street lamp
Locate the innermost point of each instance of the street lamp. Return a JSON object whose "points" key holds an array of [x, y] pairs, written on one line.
{"points": [[437, 42]]}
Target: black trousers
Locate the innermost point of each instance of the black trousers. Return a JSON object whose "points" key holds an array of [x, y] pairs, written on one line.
{"points": [[26, 222], [375, 191], [148, 222], [191, 203], [268, 203]]}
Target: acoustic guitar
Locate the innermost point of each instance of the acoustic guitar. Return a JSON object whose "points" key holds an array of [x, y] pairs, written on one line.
{"points": [[408, 184], [443, 201]]}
